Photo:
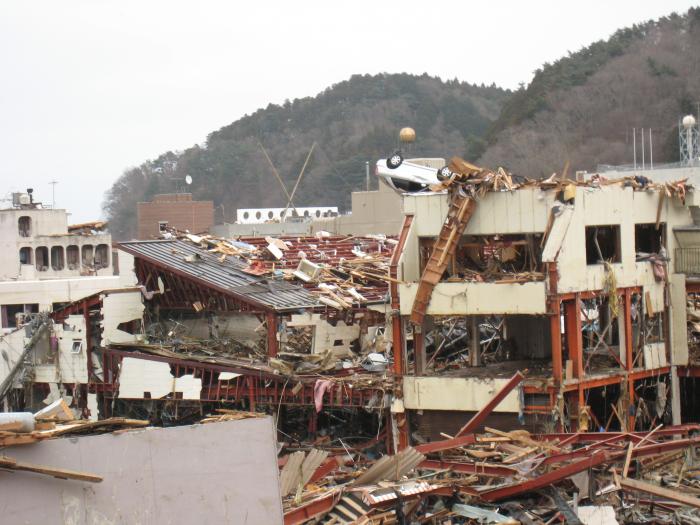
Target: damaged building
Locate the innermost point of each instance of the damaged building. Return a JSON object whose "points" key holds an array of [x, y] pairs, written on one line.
{"points": [[517, 346]]}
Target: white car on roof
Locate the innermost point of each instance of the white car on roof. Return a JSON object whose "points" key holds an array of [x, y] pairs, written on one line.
{"points": [[405, 176]]}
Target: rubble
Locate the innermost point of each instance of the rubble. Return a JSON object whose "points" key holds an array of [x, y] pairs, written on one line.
{"points": [[507, 477]]}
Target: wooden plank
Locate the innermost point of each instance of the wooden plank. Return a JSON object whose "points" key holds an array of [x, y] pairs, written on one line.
{"points": [[628, 459], [11, 464], [673, 495], [526, 440]]}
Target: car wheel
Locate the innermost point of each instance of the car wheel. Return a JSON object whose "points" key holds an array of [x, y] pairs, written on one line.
{"points": [[394, 161], [444, 173]]}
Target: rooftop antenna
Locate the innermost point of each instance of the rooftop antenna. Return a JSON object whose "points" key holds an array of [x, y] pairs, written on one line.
{"points": [[634, 147], [53, 193], [642, 136]]}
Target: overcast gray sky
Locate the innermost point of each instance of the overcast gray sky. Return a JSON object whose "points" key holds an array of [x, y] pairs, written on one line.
{"points": [[90, 88]]}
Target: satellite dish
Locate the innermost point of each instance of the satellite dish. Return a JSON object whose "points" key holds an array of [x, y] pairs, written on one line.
{"points": [[161, 286], [188, 179]]}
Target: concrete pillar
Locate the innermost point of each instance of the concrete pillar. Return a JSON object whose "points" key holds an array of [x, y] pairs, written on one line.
{"points": [[474, 341]]}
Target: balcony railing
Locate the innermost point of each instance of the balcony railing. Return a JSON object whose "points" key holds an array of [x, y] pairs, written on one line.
{"points": [[688, 261]]}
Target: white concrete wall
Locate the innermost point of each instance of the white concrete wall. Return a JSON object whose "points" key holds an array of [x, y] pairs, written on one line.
{"points": [[49, 228], [47, 292], [216, 473], [325, 334], [456, 393], [138, 376], [119, 308], [469, 298]]}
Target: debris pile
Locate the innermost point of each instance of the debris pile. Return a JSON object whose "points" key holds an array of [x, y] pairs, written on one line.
{"points": [[340, 270], [503, 477]]}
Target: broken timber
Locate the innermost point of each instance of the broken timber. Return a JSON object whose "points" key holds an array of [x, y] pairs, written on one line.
{"points": [[462, 206], [11, 464]]}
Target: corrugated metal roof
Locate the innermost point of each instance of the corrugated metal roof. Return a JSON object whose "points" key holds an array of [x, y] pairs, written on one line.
{"points": [[227, 276]]}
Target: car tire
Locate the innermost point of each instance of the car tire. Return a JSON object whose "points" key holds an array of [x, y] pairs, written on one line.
{"points": [[444, 173], [394, 161]]}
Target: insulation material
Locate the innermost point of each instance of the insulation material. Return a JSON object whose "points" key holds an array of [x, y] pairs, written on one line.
{"points": [[139, 376]]}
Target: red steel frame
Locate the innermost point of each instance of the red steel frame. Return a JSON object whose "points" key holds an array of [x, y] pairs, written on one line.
{"points": [[254, 387]]}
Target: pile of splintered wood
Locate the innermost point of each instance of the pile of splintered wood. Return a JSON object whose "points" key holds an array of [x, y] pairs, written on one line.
{"points": [[509, 477]]}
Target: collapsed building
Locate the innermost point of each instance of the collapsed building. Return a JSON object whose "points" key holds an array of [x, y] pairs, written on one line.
{"points": [[561, 312], [581, 283]]}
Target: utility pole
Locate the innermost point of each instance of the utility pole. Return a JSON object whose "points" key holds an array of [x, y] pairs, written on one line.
{"points": [[53, 193]]}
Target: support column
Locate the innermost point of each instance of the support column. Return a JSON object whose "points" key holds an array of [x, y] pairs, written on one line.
{"points": [[574, 335], [474, 341], [419, 349], [555, 322], [272, 343], [397, 344], [555, 336], [629, 358]]}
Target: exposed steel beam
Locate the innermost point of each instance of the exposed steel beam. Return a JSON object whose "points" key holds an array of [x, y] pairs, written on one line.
{"points": [[481, 469], [478, 418]]}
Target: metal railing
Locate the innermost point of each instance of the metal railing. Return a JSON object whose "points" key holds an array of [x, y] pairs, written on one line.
{"points": [[687, 261]]}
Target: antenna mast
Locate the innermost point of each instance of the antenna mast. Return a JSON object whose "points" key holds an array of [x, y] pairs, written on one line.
{"points": [[53, 193]]}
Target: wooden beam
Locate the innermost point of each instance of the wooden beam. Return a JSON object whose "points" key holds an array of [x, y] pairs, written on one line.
{"points": [[11, 464], [673, 495]]}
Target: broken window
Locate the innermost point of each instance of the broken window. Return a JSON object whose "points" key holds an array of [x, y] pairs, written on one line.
{"points": [[24, 225], [73, 257], [492, 258], [13, 314], [57, 258], [603, 244], [162, 226], [131, 327], [654, 328], [25, 255], [101, 256], [87, 253], [297, 339], [648, 238], [42, 258]]}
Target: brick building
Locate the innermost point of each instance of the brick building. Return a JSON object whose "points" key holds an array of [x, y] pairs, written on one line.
{"points": [[175, 210]]}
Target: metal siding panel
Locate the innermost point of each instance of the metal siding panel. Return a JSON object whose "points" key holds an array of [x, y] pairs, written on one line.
{"points": [[227, 275]]}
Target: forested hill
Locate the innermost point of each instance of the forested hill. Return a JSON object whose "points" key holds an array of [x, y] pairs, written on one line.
{"points": [[583, 107], [351, 122], [580, 109]]}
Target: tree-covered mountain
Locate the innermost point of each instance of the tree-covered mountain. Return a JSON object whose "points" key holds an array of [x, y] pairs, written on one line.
{"points": [[582, 108], [351, 122]]}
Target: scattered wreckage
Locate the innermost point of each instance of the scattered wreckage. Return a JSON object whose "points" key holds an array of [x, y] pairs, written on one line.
{"points": [[307, 328]]}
